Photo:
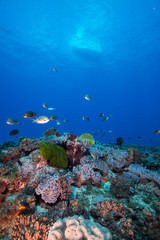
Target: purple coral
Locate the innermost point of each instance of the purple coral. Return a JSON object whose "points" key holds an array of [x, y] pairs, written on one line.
{"points": [[144, 173], [49, 188], [117, 160], [86, 170]]}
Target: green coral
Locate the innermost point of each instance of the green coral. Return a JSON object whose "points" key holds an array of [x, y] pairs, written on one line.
{"points": [[55, 154], [88, 137]]}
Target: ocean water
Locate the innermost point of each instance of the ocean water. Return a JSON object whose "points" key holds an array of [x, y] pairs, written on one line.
{"points": [[109, 49]]}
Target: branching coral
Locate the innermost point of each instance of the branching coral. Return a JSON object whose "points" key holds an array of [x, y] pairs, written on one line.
{"points": [[30, 228], [114, 216]]}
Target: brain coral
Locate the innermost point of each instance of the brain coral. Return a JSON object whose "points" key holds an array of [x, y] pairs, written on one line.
{"points": [[78, 228], [88, 137]]}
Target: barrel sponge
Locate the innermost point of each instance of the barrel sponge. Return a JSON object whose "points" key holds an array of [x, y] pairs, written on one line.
{"points": [[78, 228], [88, 137], [55, 154]]}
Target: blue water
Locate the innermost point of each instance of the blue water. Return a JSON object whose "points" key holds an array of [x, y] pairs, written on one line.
{"points": [[109, 49]]}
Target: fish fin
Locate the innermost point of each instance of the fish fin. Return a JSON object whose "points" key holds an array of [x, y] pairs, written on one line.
{"points": [[33, 120]]}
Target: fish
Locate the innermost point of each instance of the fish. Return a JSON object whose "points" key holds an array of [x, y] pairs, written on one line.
{"points": [[105, 119], [82, 117], [13, 121], [54, 118], [58, 123], [87, 97], [93, 132], [99, 130], [88, 119], [41, 120], [51, 108], [101, 115], [110, 131], [138, 137], [157, 131], [45, 105], [54, 69], [66, 120], [14, 132], [103, 179], [29, 114]]}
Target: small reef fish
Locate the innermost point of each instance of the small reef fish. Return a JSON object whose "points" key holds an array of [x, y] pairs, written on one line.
{"points": [[99, 130], [54, 118], [105, 119], [82, 117], [29, 114], [110, 131], [45, 105], [93, 132], [41, 120], [103, 179], [87, 97], [66, 120], [138, 137], [101, 115], [58, 123], [14, 132], [13, 121], [54, 69], [50, 108], [88, 119], [157, 131]]}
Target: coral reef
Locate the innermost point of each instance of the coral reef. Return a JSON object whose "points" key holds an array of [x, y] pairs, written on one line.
{"points": [[120, 141], [78, 228], [114, 216], [86, 171], [121, 187], [144, 173], [55, 154], [51, 132], [88, 137], [117, 186], [117, 160], [75, 152], [30, 228]]}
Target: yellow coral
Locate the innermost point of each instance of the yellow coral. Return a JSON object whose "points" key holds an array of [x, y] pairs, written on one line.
{"points": [[88, 137]]}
